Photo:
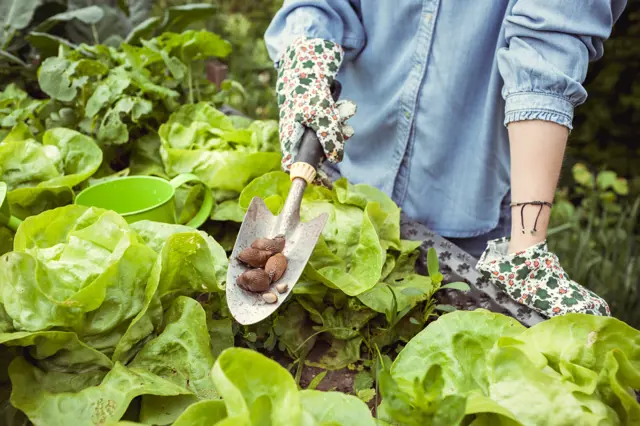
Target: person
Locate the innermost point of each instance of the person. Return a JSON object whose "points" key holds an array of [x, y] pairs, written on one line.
{"points": [[463, 114]]}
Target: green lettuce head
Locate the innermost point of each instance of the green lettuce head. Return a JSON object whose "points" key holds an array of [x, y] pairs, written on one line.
{"points": [[42, 175]]}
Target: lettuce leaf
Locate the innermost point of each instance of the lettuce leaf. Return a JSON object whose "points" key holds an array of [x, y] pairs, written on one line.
{"points": [[84, 293], [363, 225], [573, 369], [41, 176], [402, 287], [46, 402], [156, 235], [334, 408], [201, 140], [75, 268], [58, 350], [203, 413], [17, 107], [256, 389], [186, 338], [189, 262]]}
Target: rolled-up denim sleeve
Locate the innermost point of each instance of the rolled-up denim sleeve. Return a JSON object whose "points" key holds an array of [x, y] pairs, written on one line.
{"points": [[549, 46], [334, 20]]}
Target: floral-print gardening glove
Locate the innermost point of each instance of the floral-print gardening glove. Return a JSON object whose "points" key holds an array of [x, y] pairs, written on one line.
{"points": [[534, 277], [305, 74]]}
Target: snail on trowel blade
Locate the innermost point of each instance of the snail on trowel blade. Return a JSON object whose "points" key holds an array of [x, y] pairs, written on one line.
{"points": [[271, 252]]}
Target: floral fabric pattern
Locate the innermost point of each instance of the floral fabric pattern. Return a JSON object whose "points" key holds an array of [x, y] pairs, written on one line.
{"points": [[305, 75], [534, 277]]}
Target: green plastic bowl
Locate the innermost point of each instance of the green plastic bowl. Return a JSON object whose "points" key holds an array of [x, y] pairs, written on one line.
{"points": [[144, 198]]}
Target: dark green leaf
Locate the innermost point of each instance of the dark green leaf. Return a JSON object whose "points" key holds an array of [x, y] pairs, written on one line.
{"points": [[412, 291], [340, 354], [143, 31], [462, 286], [15, 15], [221, 334], [362, 381], [6, 243], [432, 262], [178, 18], [313, 384], [113, 23], [445, 308], [12, 58], [145, 158], [138, 10], [451, 411], [88, 15], [47, 44]]}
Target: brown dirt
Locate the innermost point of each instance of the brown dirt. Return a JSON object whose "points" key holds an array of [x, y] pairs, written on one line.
{"points": [[335, 380], [339, 380]]}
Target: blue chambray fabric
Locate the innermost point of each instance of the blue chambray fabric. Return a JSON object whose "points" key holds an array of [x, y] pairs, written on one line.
{"points": [[436, 81]]}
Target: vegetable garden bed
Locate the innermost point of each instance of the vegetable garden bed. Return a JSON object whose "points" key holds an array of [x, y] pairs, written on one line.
{"points": [[103, 322]]}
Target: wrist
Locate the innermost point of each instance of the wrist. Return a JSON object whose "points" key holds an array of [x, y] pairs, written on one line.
{"points": [[529, 225], [520, 242]]}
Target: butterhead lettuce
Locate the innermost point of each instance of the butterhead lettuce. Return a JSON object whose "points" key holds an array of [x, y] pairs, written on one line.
{"points": [[202, 140], [572, 369], [42, 175], [103, 312]]}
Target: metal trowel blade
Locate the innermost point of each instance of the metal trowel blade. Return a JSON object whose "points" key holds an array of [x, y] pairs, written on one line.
{"points": [[301, 237]]}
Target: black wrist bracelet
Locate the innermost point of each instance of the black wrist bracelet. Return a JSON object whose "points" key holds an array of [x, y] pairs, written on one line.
{"points": [[542, 204]]}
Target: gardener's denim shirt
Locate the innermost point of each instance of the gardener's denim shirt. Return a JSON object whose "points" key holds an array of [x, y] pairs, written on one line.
{"points": [[436, 81]]}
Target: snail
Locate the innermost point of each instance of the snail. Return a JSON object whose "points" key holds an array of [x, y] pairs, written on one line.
{"points": [[272, 245], [255, 280], [276, 267], [254, 257]]}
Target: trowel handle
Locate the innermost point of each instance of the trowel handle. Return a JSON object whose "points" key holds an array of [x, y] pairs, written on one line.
{"points": [[311, 151]]}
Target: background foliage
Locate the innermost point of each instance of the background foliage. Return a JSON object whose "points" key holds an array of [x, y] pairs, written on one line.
{"points": [[244, 24], [607, 126]]}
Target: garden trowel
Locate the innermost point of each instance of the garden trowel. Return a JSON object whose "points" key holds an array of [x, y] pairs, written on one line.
{"points": [[300, 237]]}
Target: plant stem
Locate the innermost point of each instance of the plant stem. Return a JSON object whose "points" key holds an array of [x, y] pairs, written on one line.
{"points": [[7, 40], [190, 86], [320, 332], [94, 32], [558, 229]]}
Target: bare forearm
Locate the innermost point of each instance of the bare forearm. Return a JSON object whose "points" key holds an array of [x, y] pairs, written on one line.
{"points": [[537, 152]]}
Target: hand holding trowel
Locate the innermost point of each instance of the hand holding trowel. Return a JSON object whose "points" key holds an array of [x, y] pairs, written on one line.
{"points": [[256, 260]]}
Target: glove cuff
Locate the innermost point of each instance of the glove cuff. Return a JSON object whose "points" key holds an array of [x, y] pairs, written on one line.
{"points": [[534, 277], [312, 55], [499, 250]]}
